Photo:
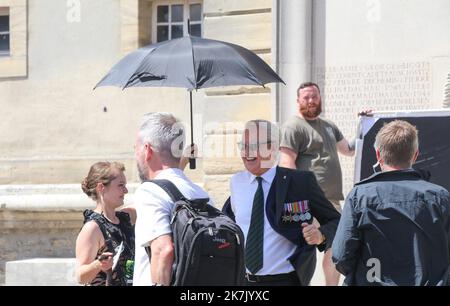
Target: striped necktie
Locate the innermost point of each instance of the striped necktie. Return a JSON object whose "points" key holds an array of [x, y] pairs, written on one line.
{"points": [[254, 243]]}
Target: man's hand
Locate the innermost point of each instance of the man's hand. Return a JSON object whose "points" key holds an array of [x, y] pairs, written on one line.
{"points": [[191, 151], [312, 235]]}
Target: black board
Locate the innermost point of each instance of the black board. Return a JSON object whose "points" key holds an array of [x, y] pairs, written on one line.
{"points": [[434, 143]]}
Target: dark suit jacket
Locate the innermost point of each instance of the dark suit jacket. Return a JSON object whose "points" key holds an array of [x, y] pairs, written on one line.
{"points": [[292, 185]]}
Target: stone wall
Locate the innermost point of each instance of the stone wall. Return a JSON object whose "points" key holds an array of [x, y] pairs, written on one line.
{"points": [[382, 54], [41, 221], [41, 272], [31, 235], [226, 109], [53, 125]]}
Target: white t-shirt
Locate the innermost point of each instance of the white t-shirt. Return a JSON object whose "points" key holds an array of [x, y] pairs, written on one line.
{"points": [[154, 208], [276, 249]]}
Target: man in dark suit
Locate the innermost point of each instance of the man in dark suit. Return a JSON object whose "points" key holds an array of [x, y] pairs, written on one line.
{"points": [[274, 206]]}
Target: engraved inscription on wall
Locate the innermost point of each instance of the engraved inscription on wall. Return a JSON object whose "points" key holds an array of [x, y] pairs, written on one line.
{"points": [[346, 90]]}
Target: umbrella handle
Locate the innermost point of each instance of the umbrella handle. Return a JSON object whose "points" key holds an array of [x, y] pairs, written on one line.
{"points": [[192, 158], [191, 163]]}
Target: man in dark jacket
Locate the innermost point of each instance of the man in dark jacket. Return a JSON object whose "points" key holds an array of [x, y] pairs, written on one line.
{"points": [[274, 206], [395, 226]]}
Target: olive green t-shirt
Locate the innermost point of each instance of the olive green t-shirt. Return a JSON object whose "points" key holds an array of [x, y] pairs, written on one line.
{"points": [[315, 143]]}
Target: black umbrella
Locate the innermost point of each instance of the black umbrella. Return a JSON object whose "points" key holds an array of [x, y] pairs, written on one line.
{"points": [[192, 63]]}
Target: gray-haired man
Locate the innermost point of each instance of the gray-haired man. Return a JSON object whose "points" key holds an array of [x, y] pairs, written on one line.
{"points": [[159, 144]]}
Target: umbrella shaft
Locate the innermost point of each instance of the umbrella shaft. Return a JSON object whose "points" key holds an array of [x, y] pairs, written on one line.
{"points": [[192, 121], [192, 158]]}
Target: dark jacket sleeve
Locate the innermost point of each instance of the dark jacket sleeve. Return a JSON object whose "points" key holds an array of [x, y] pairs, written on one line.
{"points": [[347, 241], [324, 212]]}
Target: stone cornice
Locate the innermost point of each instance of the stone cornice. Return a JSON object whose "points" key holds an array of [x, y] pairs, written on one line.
{"points": [[49, 198]]}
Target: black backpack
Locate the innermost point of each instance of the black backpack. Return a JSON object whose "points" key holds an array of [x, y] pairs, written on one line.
{"points": [[209, 246]]}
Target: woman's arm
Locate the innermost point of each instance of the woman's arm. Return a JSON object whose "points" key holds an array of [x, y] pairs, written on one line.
{"points": [[89, 241]]}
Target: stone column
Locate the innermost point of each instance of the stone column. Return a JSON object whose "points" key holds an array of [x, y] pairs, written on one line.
{"points": [[293, 48], [129, 26]]}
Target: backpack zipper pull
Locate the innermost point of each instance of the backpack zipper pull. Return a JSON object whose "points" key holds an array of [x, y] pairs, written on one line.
{"points": [[173, 217], [237, 239], [210, 230]]}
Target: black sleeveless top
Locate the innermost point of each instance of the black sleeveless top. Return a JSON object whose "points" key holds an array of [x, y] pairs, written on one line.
{"points": [[114, 235]]}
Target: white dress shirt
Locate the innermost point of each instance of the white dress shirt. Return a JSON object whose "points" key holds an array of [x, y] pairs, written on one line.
{"points": [[277, 249], [154, 208]]}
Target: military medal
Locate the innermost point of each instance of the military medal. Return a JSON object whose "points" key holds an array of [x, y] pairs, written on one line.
{"points": [[296, 211], [308, 216], [287, 217], [305, 210]]}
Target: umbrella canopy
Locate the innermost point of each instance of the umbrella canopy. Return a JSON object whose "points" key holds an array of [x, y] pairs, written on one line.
{"points": [[192, 63]]}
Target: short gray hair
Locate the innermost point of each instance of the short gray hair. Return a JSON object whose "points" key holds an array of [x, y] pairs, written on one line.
{"points": [[164, 133]]}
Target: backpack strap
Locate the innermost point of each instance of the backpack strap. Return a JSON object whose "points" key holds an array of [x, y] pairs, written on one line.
{"points": [[174, 194], [170, 189]]}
